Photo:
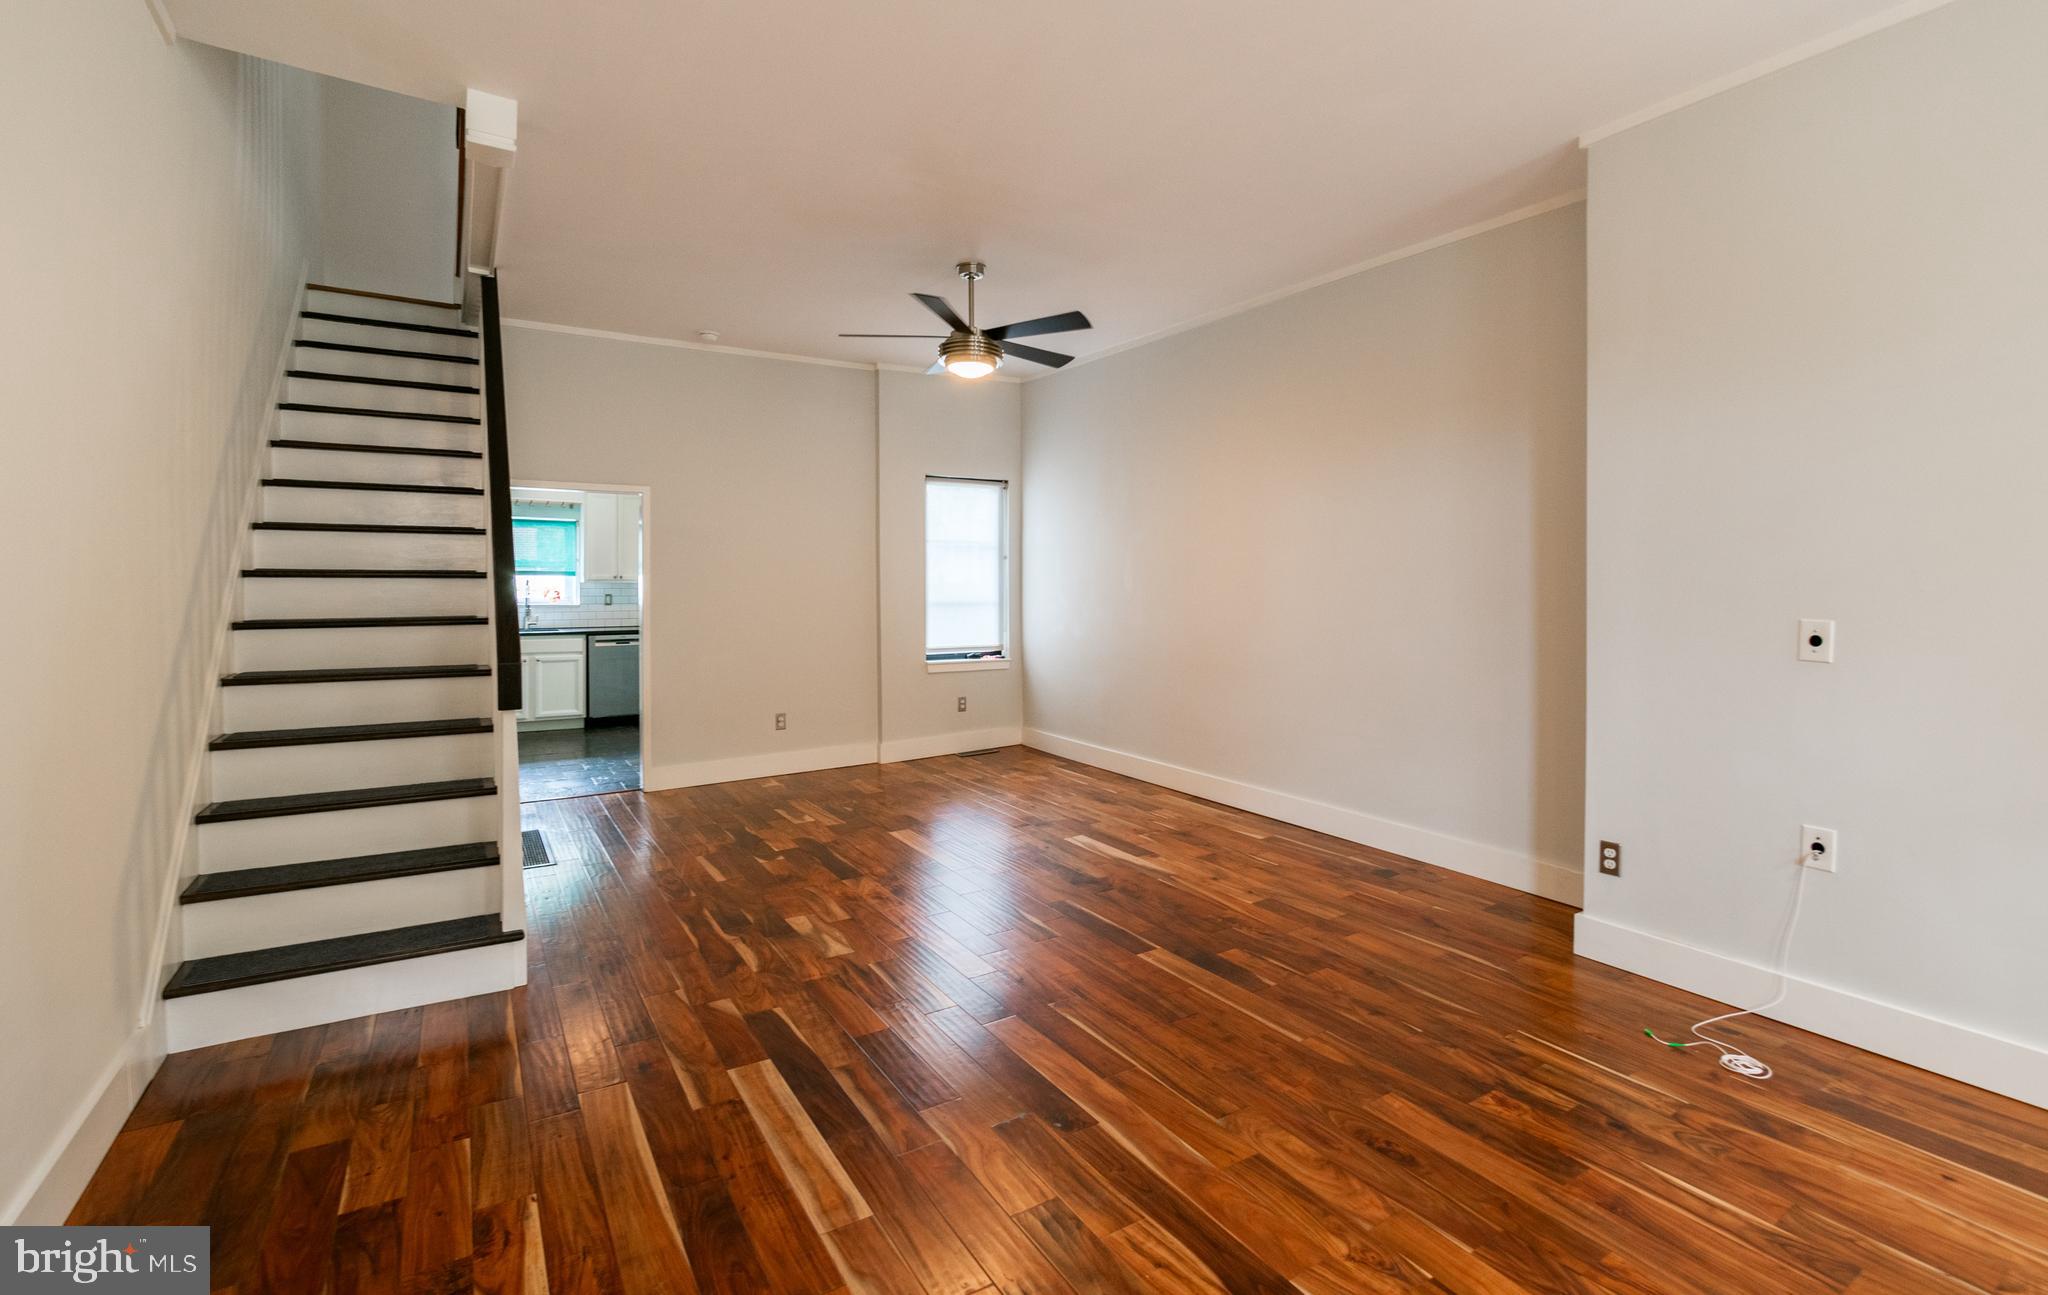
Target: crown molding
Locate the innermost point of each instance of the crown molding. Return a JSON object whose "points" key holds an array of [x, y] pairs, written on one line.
{"points": [[161, 16], [679, 344], [1516, 216], [1459, 235], [1756, 71]]}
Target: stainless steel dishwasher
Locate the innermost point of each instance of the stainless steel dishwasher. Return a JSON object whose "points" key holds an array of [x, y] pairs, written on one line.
{"points": [[614, 676]]}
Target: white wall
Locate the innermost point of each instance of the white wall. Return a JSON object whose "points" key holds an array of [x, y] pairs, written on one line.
{"points": [[937, 426], [1324, 559], [1817, 384], [387, 217], [161, 211], [773, 580], [759, 589]]}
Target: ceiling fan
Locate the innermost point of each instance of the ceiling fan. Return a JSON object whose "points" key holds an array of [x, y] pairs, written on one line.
{"points": [[971, 352]]}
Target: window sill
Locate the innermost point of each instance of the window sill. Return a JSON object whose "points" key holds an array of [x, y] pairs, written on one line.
{"points": [[954, 667]]}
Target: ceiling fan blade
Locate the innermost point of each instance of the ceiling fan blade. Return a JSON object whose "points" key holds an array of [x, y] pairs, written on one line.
{"points": [[936, 337], [1051, 359], [1072, 321], [938, 306]]}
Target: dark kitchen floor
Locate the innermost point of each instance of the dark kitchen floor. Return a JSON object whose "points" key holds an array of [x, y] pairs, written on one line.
{"points": [[560, 762]]}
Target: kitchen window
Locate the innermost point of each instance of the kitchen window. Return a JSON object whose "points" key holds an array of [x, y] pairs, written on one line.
{"points": [[966, 573], [544, 560]]}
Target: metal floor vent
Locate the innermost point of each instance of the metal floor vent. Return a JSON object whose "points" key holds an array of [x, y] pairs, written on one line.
{"points": [[534, 849]]}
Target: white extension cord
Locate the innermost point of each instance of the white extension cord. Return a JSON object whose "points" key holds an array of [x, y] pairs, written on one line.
{"points": [[1734, 1058]]}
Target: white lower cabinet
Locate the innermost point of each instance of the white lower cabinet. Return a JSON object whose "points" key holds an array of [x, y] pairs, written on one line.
{"points": [[551, 677]]}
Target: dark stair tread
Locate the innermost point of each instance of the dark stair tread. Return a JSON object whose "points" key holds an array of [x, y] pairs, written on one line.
{"points": [[288, 961], [353, 349], [413, 384], [357, 447], [409, 415], [337, 872], [368, 295], [352, 674], [405, 325], [359, 573], [251, 739], [324, 802], [310, 483], [367, 528]]}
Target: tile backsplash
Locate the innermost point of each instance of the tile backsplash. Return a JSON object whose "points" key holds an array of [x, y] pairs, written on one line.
{"points": [[623, 613]]}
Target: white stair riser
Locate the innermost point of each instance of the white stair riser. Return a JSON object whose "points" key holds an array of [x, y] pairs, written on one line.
{"points": [[398, 469], [321, 359], [202, 1020], [349, 303], [340, 766], [346, 833], [396, 339], [305, 705], [372, 507], [359, 429], [324, 649], [265, 598], [370, 549], [368, 395], [357, 908]]}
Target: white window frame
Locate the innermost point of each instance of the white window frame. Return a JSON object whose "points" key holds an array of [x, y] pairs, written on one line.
{"points": [[1001, 662]]}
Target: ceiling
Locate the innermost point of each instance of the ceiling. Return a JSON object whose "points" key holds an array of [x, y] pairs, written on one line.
{"points": [[785, 170]]}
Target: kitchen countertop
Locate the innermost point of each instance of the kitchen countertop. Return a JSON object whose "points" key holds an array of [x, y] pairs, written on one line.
{"points": [[562, 631]]}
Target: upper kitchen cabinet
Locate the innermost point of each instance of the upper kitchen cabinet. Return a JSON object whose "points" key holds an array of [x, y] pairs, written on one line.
{"points": [[611, 537]]}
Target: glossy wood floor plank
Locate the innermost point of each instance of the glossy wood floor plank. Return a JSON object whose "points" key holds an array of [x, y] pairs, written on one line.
{"points": [[1006, 1023]]}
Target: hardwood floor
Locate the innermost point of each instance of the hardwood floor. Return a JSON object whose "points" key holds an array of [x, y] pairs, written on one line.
{"points": [[1006, 1023]]}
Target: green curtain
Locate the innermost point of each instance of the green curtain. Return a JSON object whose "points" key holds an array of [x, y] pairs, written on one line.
{"points": [[543, 547]]}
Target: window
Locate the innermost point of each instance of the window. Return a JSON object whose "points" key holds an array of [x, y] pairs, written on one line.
{"points": [[966, 570], [544, 559]]}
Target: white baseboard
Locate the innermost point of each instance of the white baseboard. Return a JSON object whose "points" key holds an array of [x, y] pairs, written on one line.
{"points": [[923, 748], [67, 1164], [1988, 1061], [1561, 882], [769, 764]]}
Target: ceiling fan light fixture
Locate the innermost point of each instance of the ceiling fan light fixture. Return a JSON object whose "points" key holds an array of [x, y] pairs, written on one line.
{"points": [[970, 355]]}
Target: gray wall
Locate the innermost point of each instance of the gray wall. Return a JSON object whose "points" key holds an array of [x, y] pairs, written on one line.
{"points": [[1325, 558], [1818, 375], [933, 426], [387, 213], [773, 581], [759, 537]]}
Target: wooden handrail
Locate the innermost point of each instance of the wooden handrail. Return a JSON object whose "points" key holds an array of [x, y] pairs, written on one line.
{"points": [[504, 576]]}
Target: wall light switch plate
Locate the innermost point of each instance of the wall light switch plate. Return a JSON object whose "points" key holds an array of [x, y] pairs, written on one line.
{"points": [[1817, 641]]}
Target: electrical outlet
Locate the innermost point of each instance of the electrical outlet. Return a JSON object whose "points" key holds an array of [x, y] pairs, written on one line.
{"points": [[781, 720], [962, 705], [1819, 849], [1817, 641], [1610, 858]]}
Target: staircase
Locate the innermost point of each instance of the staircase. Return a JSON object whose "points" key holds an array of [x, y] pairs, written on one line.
{"points": [[349, 859]]}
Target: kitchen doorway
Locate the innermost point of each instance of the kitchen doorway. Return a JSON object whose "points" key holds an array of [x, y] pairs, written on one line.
{"points": [[580, 556]]}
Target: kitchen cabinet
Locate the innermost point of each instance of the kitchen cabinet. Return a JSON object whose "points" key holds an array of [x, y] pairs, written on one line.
{"points": [[611, 537], [551, 677]]}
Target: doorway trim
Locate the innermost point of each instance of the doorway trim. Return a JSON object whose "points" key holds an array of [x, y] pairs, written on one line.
{"points": [[647, 617]]}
